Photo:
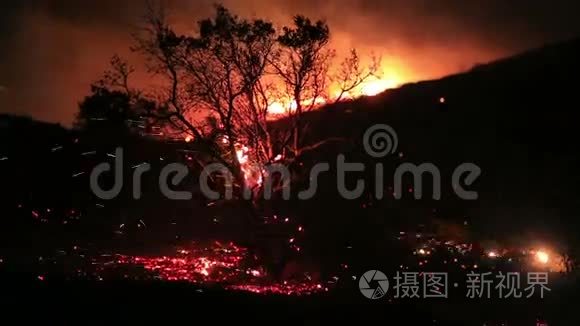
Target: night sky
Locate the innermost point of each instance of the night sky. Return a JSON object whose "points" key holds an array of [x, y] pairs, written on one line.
{"points": [[52, 50]]}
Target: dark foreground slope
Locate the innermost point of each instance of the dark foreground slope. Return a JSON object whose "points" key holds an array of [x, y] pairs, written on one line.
{"points": [[516, 118]]}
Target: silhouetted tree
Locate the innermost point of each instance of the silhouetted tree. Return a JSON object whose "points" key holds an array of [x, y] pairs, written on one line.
{"points": [[217, 73], [218, 85], [303, 64], [105, 110], [112, 106]]}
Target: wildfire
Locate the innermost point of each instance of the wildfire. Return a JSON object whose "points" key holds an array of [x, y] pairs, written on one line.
{"points": [[277, 108], [371, 87], [377, 86], [214, 264], [217, 264], [242, 154], [542, 257], [282, 106], [252, 172]]}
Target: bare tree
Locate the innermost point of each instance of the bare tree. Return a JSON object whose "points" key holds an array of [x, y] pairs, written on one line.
{"points": [[218, 75], [303, 64], [226, 64], [163, 50], [352, 74]]}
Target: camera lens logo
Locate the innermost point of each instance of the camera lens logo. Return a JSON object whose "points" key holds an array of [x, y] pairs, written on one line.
{"points": [[373, 284]]}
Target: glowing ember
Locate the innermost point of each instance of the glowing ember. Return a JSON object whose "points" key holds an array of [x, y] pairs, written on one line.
{"points": [[215, 264], [242, 154], [220, 264], [542, 257], [285, 288], [251, 170]]}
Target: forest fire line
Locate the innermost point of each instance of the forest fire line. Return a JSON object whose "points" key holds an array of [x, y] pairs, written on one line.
{"points": [[253, 173], [371, 87]]}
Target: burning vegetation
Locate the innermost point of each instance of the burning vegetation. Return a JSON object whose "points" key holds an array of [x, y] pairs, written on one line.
{"points": [[222, 86], [243, 94]]}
